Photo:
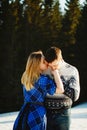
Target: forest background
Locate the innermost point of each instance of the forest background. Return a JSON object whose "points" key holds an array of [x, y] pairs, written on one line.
{"points": [[30, 25]]}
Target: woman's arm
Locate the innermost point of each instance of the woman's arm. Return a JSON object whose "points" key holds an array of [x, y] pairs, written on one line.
{"points": [[58, 81]]}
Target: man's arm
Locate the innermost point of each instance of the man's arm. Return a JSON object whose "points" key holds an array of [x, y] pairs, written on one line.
{"points": [[72, 86]]}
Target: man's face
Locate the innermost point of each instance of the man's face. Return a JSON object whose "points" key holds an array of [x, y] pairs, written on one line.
{"points": [[55, 64]]}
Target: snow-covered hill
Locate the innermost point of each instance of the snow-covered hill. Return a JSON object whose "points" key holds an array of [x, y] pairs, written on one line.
{"points": [[78, 118]]}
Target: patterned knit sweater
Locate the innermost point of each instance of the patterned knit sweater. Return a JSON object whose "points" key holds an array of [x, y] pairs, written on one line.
{"points": [[70, 78]]}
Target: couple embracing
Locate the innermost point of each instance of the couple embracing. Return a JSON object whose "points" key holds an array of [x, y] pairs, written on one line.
{"points": [[50, 86]]}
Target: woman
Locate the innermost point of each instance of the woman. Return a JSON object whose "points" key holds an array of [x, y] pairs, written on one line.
{"points": [[32, 115]]}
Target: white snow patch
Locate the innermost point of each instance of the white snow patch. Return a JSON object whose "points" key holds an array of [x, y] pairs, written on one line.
{"points": [[78, 118]]}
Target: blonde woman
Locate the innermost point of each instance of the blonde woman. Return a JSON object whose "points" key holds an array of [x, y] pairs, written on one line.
{"points": [[32, 115]]}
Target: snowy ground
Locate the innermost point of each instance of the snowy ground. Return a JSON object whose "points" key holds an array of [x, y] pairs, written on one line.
{"points": [[78, 118]]}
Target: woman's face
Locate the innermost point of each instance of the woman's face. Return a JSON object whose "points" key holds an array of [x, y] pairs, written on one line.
{"points": [[43, 64]]}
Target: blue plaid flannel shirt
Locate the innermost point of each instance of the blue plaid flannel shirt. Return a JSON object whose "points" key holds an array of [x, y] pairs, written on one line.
{"points": [[36, 113]]}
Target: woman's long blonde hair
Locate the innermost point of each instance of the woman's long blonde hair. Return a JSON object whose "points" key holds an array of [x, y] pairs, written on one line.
{"points": [[32, 71]]}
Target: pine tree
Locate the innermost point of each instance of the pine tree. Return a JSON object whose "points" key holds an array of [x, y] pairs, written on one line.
{"points": [[82, 28], [81, 37], [55, 20], [70, 21], [44, 22], [52, 20], [9, 54]]}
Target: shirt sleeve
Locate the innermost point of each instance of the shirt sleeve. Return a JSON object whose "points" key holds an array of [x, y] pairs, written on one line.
{"points": [[72, 86], [51, 86]]}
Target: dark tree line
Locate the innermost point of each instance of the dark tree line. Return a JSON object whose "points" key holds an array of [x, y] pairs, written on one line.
{"points": [[30, 25]]}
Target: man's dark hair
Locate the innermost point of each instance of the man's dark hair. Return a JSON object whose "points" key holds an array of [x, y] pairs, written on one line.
{"points": [[52, 54]]}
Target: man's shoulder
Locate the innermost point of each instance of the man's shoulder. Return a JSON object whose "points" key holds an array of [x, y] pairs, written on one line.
{"points": [[68, 70], [71, 67]]}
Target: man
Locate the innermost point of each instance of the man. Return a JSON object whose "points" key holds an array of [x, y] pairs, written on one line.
{"points": [[59, 105]]}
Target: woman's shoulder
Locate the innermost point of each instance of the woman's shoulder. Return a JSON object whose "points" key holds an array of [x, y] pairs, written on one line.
{"points": [[44, 79], [45, 76]]}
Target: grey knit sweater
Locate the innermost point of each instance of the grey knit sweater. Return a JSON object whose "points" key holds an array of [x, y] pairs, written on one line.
{"points": [[70, 78]]}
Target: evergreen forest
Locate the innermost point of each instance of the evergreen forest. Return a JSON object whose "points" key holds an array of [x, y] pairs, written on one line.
{"points": [[31, 25]]}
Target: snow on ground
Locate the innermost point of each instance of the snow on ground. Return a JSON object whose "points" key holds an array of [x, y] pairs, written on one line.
{"points": [[78, 118]]}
